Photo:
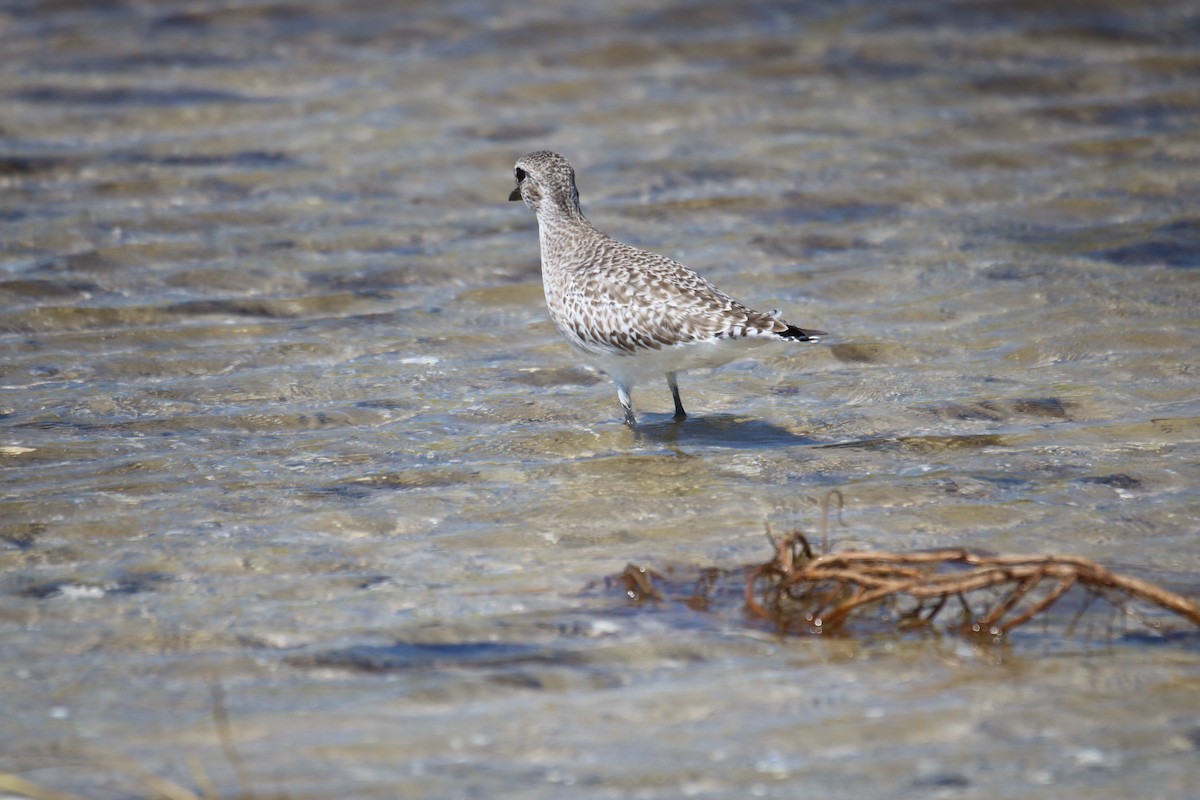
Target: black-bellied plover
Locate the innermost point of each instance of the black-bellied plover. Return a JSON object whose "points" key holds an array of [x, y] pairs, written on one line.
{"points": [[633, 314]]}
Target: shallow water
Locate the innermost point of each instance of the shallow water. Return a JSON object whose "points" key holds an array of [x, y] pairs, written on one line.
{"points": [[282, 409]]}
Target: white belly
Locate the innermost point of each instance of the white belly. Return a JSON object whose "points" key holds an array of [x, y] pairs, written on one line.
{"points": [[644, 365]]}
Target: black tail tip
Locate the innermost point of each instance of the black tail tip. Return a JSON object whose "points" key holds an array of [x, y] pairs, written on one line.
{"points": [[801, 335]]}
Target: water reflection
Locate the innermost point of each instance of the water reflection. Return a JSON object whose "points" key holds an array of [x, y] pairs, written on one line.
{"points": [[719, 431]]}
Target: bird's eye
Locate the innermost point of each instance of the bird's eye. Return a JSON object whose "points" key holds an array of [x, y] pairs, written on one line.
{"points": [[520, 173]]}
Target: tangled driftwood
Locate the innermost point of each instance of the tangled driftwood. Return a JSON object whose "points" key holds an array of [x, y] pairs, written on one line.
{"points": [[953, 589], [799, 591]]}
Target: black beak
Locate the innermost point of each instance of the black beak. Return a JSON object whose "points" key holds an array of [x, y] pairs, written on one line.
{"points": [[516, 193]]}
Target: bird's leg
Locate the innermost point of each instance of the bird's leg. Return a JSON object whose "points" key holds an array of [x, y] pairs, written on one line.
{"points": [[626, 403], [680, 414]]}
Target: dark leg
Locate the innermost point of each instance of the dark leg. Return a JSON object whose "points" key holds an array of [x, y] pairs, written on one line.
{"points": [[627, 404], [680, 414]]}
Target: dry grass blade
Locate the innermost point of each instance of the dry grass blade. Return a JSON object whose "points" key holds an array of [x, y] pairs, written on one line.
{"points": [[200, 776], [220, 716], [160, 787], [25, 788]]}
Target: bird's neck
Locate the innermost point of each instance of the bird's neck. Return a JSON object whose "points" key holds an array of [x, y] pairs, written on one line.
{"points": [[561, 229]]}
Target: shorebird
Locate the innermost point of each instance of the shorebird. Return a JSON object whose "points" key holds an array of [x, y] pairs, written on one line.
{"points": [[632, 314]]}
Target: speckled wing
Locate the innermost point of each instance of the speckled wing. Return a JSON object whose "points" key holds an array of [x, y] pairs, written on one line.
{"points": [[629, 299]]}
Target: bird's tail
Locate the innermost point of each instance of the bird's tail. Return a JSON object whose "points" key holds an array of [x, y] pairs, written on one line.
{"points": [[801, 335]]}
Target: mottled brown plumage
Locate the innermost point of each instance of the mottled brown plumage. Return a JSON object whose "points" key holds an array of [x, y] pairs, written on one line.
{"points": [[632, 313]]}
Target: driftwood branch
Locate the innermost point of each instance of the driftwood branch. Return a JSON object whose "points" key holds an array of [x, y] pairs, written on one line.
{"points": [[799, 590], [823, 593]]}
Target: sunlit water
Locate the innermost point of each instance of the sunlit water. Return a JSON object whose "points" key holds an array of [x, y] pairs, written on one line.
{"points": [[282, 410]]}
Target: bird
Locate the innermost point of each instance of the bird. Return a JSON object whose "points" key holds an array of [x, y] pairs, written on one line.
{"points": [[630, 313]]}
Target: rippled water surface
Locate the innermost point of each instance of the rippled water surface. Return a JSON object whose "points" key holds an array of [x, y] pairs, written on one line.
{"points": [[281, 410]]}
